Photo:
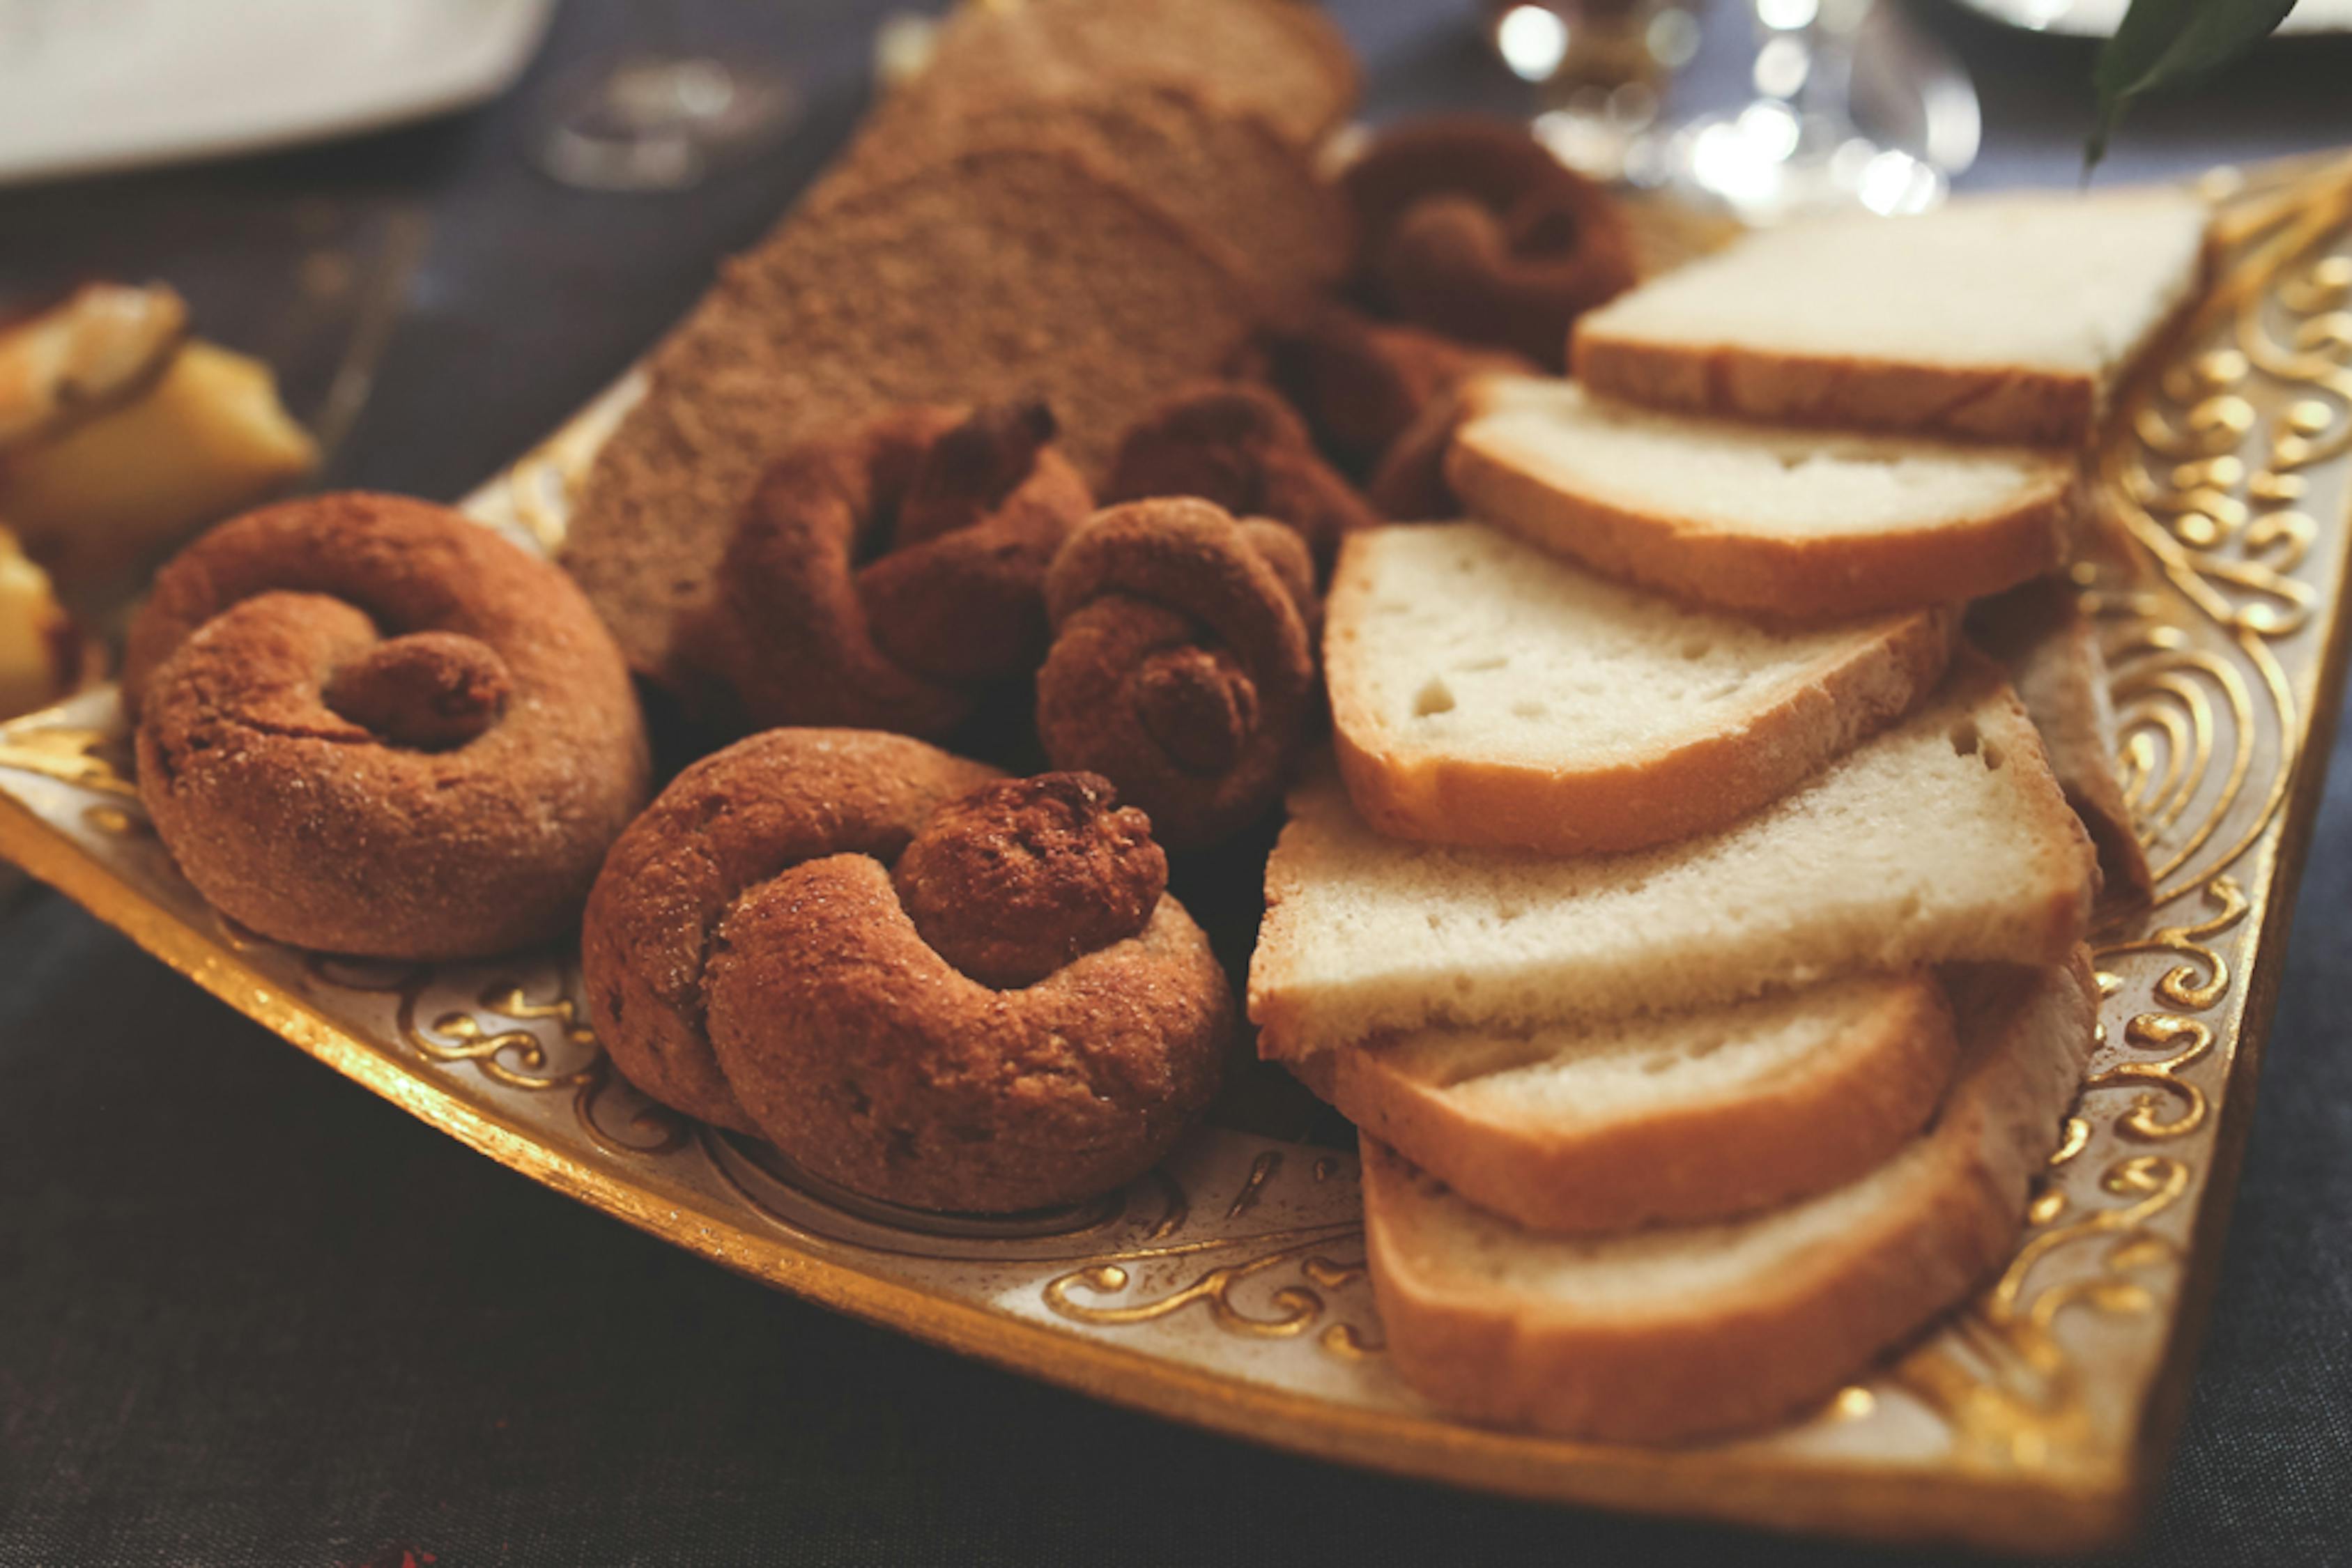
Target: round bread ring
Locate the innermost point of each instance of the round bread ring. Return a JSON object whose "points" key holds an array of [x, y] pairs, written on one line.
{"points": [[1183, 662], [970, 509], [368, 725], [1473, 228], [728, 822], [903, 1079], [750, 959]]}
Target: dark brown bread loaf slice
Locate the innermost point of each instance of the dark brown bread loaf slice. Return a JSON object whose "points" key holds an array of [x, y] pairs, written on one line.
{"points": [[1223, 167], [993, 275], [1282, 57]]}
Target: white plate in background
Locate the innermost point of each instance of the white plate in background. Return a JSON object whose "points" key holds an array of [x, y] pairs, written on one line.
{"points": [[88, 85], [2099, 18]]}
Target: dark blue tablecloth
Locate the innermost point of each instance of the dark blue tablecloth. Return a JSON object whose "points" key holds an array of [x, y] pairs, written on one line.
{"points": [[249, 1314]]}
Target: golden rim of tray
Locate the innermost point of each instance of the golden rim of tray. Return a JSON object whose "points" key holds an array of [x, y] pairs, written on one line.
{"points": [[1227, 1288]]}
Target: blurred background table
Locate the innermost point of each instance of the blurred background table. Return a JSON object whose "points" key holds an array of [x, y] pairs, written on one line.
{"points": [[251, 1314]]}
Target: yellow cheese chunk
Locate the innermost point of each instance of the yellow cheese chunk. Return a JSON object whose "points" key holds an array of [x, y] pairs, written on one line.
{"points": [[36, 638], [209, 438]]}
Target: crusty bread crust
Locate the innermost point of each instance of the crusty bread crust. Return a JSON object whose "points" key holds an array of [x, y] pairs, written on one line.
{"points": [[2039, 634], [1408, 791], [2035, 407], [2017, 404], [1817, 577], [1750, 1147], [1287, 62], [1745, 1357], [1225, 168]]}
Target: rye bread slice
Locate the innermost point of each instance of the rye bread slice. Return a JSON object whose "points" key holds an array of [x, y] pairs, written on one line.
{"points": [[1222, 166], [1282, 57], [997, 274]]}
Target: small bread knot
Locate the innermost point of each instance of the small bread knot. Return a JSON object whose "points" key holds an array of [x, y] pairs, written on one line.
{"points": [[970, 470], [1199, 705], [1019, 877], [886, 575], [1381, 397], [1182, 666], [1016, 1017], [433, 691], [1242, 447], [1471, 227]]}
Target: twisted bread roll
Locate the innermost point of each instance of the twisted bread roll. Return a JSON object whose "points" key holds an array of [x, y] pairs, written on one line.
{"points": [[1473, 228], [368, 725], [1183, 666], [1244, 449], [1016, 1017], [882, 577], [1383, 397], [732, 821]]}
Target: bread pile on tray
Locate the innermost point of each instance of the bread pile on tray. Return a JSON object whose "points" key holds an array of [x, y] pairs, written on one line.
{"points": [[1084, 205], [1033, 428], [1691, 909], [1127, 216], [1692, 918]]}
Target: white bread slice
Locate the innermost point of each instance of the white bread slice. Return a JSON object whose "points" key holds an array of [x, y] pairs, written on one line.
{"points": [[1668, 1334], [1484, 692], [2039, 635], [1944, 839], [1694, 1117], [1779, 519], [2006, 317]]}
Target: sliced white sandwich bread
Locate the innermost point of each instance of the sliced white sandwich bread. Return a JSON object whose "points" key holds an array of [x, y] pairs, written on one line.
{"points": [[2039, 635], [1485, 692], [1666, 1334], [1779, 519], [1943, 839], [1690, 1117], [2006, 317]]}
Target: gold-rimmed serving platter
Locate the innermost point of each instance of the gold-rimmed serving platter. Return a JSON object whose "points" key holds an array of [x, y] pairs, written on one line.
{"points": [[1227, 1288]]}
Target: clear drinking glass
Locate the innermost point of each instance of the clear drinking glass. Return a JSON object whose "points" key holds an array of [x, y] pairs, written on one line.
{"points": [[658, 116], [1794, 147], [1601, 67], [1598, 65]]}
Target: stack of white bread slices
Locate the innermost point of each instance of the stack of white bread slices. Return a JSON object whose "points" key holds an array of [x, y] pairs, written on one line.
{"points": [[1691, 917]]}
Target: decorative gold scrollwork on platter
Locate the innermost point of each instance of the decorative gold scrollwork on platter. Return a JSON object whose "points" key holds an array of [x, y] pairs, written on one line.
{"points": [[1077, 1294], [2210, 474], [2008, 1389], [95, 759]]}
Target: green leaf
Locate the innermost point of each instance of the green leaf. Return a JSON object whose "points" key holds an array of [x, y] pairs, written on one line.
{"points": [[2164, 42]]}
